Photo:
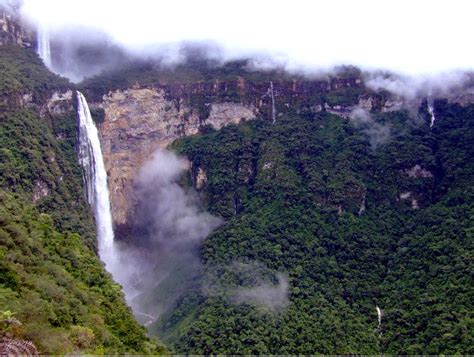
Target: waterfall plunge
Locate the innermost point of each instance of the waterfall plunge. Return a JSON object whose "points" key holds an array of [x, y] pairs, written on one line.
{"points": [[95, 177], [44, 50]]}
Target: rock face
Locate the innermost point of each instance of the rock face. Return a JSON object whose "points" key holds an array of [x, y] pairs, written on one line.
{"points": [[60, 102], [141, 119], [137, 122], [225, 113], [11, 32]]}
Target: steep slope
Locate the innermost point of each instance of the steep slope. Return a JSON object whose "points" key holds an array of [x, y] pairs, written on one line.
{"points": [[340, 217], [352, 226], [51, 279], [146, 106]]}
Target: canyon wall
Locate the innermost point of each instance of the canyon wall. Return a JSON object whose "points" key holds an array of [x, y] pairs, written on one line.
{"points": [[136, 121], [139, 120]]}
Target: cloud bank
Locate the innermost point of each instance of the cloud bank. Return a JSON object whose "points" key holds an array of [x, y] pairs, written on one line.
{"points": [[422, 37]]}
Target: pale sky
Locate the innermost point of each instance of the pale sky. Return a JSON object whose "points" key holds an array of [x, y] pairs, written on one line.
{"points": [[406, 36]]}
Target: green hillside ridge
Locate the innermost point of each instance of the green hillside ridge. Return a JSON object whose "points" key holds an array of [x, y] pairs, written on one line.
{"points": [[51, 279]]}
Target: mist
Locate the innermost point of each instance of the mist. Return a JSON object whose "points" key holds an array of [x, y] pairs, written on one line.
{"points": [[162, 262], [266, 294], [377, 133], [250, 283], [407, 37], [410, 88]]}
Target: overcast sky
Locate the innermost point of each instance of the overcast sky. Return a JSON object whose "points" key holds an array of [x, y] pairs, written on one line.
{"points": [[407, 36]]}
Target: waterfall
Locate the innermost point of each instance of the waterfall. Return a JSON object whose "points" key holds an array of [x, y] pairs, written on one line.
{"points": [[362, 207], [95, 178], [431, 111], [379, 315], [273, 103], [44, 50]]}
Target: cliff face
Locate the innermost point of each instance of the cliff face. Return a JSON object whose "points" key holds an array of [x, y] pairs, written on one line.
{"points": [[139, 120], [11, 32]]}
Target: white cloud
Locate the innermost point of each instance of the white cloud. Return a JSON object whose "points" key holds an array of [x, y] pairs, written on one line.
{"points": [[411, 37]]}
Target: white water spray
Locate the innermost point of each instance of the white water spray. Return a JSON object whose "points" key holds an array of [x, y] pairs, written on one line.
{"points": [[273, 103], [44, 49], [431, 111], [95, 177]]}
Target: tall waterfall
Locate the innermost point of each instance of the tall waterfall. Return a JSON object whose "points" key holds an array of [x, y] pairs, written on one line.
{"points": [[95, 177], [44, 50]]}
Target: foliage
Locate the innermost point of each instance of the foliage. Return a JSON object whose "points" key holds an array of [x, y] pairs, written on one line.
{"points": [[51, 280], [24, 73], [58, 289], [310, 197], [40, 162]]}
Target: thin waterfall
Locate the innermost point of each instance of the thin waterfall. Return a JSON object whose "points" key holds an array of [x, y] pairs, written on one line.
{"points": [[431, 111], [43, 47], [273, 103], [95, 178], [379, 316]]}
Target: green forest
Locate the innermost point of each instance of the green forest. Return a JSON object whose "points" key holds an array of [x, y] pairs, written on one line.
{"points": [[54, 291], [291, 194]]}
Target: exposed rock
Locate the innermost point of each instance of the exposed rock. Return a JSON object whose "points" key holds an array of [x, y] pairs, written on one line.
{"points": [[409, 196], [139, 121], [367, 103], [405, 195], [392, 105], [201, 179], [26, 99], [39, 191], [418, 172], [11, 32], [60, 103], [226, 113]]}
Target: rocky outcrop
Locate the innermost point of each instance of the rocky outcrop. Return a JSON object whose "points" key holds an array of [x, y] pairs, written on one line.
{"points": [[225, 113], [11, 31], [137, 122], [418, 172], [60, 103]]}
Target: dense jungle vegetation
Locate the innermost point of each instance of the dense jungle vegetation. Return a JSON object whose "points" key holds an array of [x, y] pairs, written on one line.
{"points": [[311, 198], [54, 291]]}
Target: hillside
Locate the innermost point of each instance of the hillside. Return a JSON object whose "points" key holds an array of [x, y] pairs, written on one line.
{"points": [[51, 282], [352, 226], [348, 205]]}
